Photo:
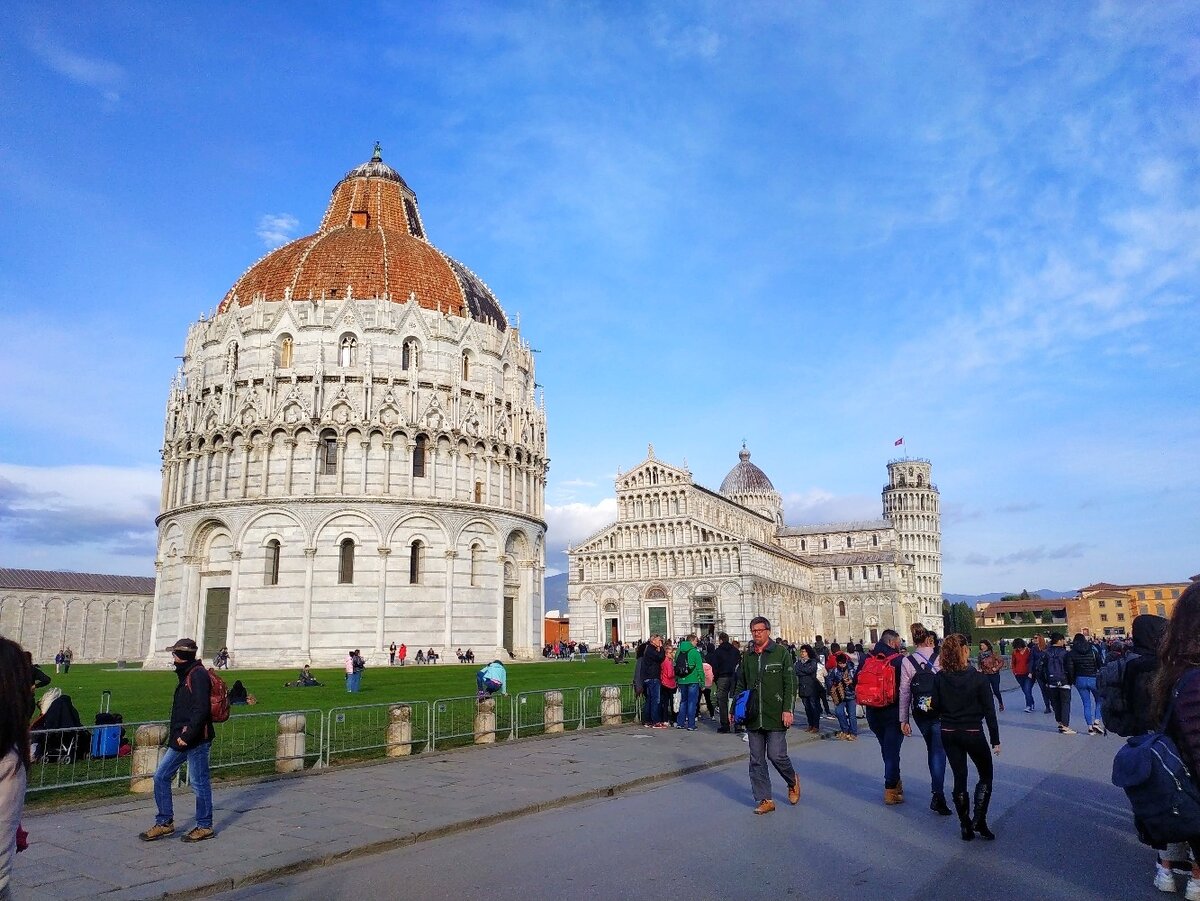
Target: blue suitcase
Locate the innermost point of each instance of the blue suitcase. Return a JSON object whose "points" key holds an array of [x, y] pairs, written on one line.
{"points": [[106, 737]]}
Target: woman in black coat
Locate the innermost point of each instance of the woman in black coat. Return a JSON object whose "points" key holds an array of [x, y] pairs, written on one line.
{"points": [[962, 699], [807, 686]]}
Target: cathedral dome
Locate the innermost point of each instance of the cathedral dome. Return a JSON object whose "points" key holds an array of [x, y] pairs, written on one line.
{"points": [[371, 244], [745, 478]]}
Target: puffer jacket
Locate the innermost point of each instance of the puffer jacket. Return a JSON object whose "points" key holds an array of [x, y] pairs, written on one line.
{"points": [[1084, 659], [806, 678]]}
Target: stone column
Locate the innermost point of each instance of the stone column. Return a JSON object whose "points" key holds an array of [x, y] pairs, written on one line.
{"points": [[362, 476], [225, 472], [264, 478], [399, 731], [310, 554], [290, 444], [448, 631], [454, 474], [315, 457], [384, 553], [148, 750], [341, 466], [485, 721], [610, 705], [290, 743], [244, 489], [235, 565], [553, 712], [387, 467], [189, 585]]}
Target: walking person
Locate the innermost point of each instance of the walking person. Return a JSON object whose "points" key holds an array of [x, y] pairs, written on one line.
{"points": [[724, 659], [16, 707], [1178, 660], [1037, 654], [1022, 670], [766, 667], [877, 687], [918, 673], [963, 701], [689, 676], [841, 694], [990, 664], [1058, 675], [1085, 665], [806, 687], [189, 740]]}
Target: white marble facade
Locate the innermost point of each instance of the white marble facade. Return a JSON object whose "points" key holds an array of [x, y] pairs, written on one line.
{"points": [[682, 558], [343, 472]]}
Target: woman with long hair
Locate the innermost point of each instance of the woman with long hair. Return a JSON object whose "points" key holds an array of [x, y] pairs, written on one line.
{"points": [[806, 686], [1178, 659], [915, 707], [1022, 670], [990, 664], [16, 707], [1037, 652], [962, 700]]}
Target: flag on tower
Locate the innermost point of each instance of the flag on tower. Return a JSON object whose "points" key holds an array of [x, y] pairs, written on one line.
{"points": [[897, 442]]}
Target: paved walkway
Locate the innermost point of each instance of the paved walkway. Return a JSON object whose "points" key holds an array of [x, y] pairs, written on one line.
{"points": [[269, 829]]}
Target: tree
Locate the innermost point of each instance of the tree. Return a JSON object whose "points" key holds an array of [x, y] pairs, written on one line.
{"points": [[1024, 595], [947, 617], [1047, 618], [1028, 618]]}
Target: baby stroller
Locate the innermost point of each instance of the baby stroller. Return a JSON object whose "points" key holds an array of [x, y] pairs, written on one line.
{"points": [[58, 736]]}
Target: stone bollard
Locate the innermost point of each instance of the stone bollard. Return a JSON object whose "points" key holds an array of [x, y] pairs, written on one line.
{"points": [[485, 721], [289, 743], [399, 731], [554, 712], [610, 705], [148, 749]]}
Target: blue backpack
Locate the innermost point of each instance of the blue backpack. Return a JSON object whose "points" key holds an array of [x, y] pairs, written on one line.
{"points": [[1160, 787], [745, 706]]}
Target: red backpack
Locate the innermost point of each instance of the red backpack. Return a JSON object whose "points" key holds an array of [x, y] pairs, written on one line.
{"points": [[876, 681], [218, 697]]}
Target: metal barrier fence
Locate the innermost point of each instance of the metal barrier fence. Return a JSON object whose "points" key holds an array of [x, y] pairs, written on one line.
{"points": [[454, 721], [251, 738], [529, 711], [62, 758], [362, 731], [630, 704]]}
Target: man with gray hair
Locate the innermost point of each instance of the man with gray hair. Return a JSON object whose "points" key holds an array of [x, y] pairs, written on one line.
{"points": [[767, 670]]}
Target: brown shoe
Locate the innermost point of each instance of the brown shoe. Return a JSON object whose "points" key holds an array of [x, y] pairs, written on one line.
{"points": [[155, 832], [794, 791], [900, 790], [892, 796], [765, 807], [199, 834]]}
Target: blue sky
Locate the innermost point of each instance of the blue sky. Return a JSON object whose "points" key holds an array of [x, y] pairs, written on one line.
{"points": [[814, 227]]}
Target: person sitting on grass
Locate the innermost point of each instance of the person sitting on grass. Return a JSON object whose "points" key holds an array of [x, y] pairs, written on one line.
{"points": [[491, 679], [420, 655], [306, 679], [238, 694]]}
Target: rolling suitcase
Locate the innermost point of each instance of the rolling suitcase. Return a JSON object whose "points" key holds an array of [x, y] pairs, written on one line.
{"points": [[106, 738]]}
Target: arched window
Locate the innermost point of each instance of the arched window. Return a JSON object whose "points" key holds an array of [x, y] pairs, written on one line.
{"points": [[410, 354], [841, 608], [347, 350], [285, 352], [418, 467], [476, 560], [414, 562], [329, 453], [273, 561], [346, 562], [466, 366]]}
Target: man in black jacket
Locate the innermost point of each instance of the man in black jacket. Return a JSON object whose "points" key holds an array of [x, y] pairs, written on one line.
{"points": [[651, 672], [724, 660], [190, 737]]}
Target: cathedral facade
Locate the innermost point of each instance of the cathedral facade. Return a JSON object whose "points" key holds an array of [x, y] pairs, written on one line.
{"points": [[353, 453], [682, 558]]}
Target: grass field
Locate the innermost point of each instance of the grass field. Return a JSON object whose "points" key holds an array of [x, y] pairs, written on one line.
{"points": [[141, 695]]}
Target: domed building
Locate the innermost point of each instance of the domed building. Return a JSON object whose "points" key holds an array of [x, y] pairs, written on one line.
{"points": [[353, 453], [681, 558]]}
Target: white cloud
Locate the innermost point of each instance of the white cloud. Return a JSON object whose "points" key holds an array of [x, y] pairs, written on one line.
{"points": [[91, 72], [276, 229], [820, 506], [571, 523]]}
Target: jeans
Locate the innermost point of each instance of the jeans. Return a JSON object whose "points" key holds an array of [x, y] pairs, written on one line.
{"points": [[1026, 683], [770, 746], [961, 744], [197, 764], [812, 711], [490, 686], [931, 731], [885, 723], [723, 684], [1045, 694], [689, 701], [994, 685], [1091, 700], [847, 715], [650, 712]]}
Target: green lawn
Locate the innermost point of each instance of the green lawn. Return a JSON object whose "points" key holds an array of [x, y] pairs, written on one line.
{"points": [[145, 695]]}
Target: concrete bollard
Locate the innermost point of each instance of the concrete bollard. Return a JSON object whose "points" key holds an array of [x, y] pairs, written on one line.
{"points": [[610, 705], [485, 721], [554, 712], [399, 731], [148, 749], [289, 743]]}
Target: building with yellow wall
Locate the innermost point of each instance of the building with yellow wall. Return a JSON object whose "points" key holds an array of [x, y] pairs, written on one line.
{"points": [[1107, 609]]}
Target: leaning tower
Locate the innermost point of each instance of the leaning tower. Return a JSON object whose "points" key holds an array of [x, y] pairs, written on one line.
{"points": [[912, 504]]}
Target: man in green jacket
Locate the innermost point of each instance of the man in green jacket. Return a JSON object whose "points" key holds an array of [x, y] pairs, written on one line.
{"points": [[689, 676], [767, 668]]}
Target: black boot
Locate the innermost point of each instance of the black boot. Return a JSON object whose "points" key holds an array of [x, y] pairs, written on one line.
{"points": [[983, 797], [962, 804], [938, 805]]}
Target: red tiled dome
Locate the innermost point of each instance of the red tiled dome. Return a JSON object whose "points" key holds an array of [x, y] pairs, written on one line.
{"points": [[372, 244]]}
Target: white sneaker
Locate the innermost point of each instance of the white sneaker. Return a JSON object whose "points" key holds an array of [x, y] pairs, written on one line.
{"points": [[1193, 889], [1067, 730], [1099, 727], [1164, 879], [746, 737]]}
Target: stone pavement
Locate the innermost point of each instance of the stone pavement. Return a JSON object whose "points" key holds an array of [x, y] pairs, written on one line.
{"points": [[287, 825]]}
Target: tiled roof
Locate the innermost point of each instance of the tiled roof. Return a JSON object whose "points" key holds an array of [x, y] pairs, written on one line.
{"points": [[836, 527], [745, 478], [372, 244], [48, 580]]}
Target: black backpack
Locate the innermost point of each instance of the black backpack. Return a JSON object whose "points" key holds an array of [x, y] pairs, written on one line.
{"points": [[1115, 704], [683, 666], [921, 686], [1054, 666]]}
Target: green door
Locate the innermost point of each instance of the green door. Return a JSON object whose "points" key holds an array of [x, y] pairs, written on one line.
{"points": [[508, 625], [657, 619], [216, 622]]}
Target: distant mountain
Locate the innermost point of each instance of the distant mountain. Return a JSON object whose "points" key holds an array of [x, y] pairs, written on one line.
{"points": [[556, 593], [971, 599]]}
